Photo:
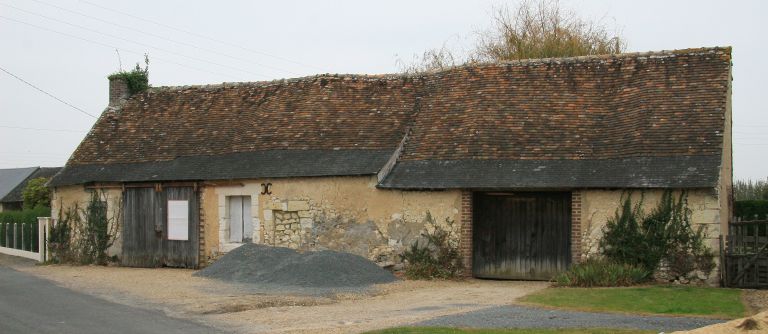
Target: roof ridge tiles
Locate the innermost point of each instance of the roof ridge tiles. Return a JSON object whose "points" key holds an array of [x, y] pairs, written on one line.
{"points": [[411, 76]]}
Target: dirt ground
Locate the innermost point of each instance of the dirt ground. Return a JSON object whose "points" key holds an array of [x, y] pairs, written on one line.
{"points": [[754, 324], [233, 308], [757, 300]]}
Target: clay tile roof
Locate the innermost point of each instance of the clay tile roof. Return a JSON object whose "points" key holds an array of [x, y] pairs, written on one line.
{"points": [[631, 120], [650, 119]]}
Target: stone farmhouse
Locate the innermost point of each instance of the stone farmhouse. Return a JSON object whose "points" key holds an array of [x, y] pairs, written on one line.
{"points": [[523, 160]]}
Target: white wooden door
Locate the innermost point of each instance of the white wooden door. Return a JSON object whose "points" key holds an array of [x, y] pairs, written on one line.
{"points": [[247, 220], [240, 220], [236, 219]]}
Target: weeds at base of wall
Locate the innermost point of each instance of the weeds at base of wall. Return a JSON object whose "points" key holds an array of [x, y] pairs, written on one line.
{"points": [[436, 255], [83, 235], [600, 272]]}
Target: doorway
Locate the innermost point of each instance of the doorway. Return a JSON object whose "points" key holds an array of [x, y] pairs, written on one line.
{"points": [[240, 219], [521, 235]]}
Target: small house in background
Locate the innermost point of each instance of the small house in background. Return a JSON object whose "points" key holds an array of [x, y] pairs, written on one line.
{"points": [[14, 180], [525, 161]]}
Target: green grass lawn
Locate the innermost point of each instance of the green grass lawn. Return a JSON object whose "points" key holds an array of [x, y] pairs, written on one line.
{"points": [[670, 300], [443, 330]]}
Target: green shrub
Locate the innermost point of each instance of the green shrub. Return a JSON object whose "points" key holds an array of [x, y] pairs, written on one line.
{"points": [[601, 272], [36, 193], [665, 235], [623, 241], [436, 255], [751, 209]]}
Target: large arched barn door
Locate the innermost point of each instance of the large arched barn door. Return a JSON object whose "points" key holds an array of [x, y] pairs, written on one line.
{"points": [[521, 235], [160, 227]]}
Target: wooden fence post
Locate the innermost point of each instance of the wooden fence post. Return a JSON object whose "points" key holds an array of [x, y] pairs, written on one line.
{"points": [[723, 263]]}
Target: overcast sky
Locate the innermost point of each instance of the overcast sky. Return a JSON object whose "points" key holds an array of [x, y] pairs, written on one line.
{"points": [[67, 48]]}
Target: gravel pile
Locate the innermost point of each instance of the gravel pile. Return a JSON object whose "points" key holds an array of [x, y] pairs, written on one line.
{"points": [[278, 268]]}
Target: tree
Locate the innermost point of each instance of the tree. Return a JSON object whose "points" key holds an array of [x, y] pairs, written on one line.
{"points": [[36, 194], [430, 60], [749, 190], [533, 29], [544, 30]]}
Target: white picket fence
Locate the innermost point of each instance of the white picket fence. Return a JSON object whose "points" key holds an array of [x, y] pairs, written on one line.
{"points": [[14, 240]]}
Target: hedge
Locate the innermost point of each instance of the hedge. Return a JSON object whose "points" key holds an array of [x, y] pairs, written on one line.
{"points": [[746, 210], [28, 221], [25, 216]]}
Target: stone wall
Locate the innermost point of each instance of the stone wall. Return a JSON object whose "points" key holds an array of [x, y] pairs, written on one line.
{"points": [[350, 214], [64, 198], [598, 206], [340, 213]]}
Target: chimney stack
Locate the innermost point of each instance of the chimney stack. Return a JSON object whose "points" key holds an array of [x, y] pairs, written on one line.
{"points": [[118, 90]]}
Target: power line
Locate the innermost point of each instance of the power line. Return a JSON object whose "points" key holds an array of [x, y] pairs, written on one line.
{"points": [[158, 36], [41, 129], [192, 33], [46, 93], [134, 42], [111, 46]]}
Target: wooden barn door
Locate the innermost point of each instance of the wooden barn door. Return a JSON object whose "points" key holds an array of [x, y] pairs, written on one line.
{"points": [[150, 238], [521, 235]]}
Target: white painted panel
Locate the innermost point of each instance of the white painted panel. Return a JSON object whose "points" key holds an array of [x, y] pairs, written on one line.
{"points": [[235, 219], [247, 219], [178, 220], [20, 253]]}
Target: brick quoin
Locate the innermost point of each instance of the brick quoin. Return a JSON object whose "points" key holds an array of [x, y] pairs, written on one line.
{"points": [[201, 260], [576, 226], [465, 241]]}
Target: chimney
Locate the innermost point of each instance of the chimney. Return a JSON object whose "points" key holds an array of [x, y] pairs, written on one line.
{"points": [[118, 90]]}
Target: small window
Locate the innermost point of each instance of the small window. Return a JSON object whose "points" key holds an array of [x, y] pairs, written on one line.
{"points": [[178, 220]]}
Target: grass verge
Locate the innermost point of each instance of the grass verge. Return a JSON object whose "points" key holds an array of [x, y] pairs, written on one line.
{"points": [[667, 300], [446, 330]]}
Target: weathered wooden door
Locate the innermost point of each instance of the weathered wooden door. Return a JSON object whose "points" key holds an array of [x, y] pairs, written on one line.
{"points": [[521, 235], [145, 231]]}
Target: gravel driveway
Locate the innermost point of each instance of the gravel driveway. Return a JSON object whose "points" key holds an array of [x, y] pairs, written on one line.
{"points": [[531, 317]]}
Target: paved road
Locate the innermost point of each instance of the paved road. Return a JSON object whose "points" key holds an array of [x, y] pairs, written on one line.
{"points": [[531, 317], [32, 305]]}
